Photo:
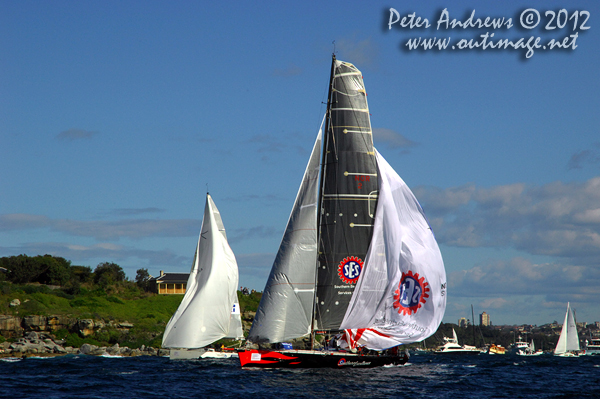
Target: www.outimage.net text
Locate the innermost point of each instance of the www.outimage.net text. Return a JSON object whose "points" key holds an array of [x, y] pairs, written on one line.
{"points": [[573, 22]]}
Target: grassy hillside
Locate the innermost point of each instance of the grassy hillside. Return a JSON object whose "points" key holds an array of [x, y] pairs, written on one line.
{"points": [[122, 302]]}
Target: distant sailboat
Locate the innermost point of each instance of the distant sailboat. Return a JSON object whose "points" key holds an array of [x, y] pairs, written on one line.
{"points": [[568, 343], [209, 310], [358, 263]]}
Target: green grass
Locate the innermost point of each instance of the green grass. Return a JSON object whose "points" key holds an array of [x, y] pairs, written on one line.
{"points": [[124, 302]]}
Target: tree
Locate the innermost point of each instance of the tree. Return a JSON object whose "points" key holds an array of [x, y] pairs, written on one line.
{"points": [[56, 270], [108, 273], [142, 279], [45, 269], [83, 274], [22, 269]]}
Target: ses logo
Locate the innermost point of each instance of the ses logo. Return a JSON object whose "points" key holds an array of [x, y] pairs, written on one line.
{"points": [[349, 269], [412, 292]]}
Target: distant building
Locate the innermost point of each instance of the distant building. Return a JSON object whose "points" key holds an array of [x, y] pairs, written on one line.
{"points": [[484, 319], [170, 283], [462, 322]]}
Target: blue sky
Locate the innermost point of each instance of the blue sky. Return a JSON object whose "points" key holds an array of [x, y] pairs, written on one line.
{"points": [[116, 117]]}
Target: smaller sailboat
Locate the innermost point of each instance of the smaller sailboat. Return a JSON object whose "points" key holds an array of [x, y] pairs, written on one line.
{"points": [[451, 346], [209, 310], [568, 342], [530, 350]]}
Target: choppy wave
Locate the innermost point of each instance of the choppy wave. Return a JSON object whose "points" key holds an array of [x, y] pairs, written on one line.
{"points": [[426, 375]]}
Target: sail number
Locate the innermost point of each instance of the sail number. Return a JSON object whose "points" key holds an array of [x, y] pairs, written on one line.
{"points": [[361, 179], [411, 294]]}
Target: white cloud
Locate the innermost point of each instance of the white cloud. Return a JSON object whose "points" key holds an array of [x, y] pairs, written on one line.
{"points": [[519, 276], [586, 157], [361, 52], [76, 134], [391, 138], [103, 230], [290, 70], [557, 219]]}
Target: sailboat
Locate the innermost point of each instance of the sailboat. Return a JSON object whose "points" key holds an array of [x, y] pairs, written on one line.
{"points": [[209, 309], [568, 342], [358, 267]]}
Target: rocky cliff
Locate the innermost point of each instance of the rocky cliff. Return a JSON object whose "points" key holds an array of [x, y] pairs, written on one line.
{"points": [[33, 335]]}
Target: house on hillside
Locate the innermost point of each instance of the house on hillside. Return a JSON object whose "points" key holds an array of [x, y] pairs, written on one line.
{"points": [[170, 283]]}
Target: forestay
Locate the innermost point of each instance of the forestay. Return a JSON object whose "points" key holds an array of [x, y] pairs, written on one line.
{"points": [[286, 307]]}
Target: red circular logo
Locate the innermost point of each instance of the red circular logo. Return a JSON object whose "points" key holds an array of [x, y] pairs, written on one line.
{"points": [[412, 292], [349, 269]]}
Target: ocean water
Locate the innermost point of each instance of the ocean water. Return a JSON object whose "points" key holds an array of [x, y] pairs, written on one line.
{"points": [[424, 376]]}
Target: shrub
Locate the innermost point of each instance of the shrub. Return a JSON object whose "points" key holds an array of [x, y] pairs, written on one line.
{"points": [[107, 274], [115, 300]]}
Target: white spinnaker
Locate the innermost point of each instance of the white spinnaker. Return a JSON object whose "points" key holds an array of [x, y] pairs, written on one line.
{"points": [[204, 314], [383, 312]]}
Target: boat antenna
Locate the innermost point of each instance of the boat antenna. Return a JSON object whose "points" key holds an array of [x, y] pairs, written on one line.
{"points": [[333, 42], [206, 188]]}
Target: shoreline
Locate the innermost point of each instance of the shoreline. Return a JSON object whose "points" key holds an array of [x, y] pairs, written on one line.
{"points": [[36, 344]]}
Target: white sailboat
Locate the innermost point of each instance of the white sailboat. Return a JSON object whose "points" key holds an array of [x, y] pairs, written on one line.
{"points": [[209, 310], [568, 342], [358, 263]]}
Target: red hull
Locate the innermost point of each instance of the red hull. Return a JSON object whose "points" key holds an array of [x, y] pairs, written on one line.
{"points": [[315, 359]]}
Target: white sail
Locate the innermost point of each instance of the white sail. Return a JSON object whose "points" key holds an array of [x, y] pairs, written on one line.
{"points": [[286, 306], [401, 295], [209, 310], [569, 339]]}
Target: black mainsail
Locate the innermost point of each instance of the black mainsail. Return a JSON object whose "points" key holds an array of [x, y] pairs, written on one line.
{"points": [[348, 194]]}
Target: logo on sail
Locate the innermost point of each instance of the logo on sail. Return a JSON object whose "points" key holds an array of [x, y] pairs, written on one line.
{"points": [[349, 269], [412, 292]]}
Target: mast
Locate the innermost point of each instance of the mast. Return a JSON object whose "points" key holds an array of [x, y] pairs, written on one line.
{"points": [[326, 143], [320, 197], [473, 316]]}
